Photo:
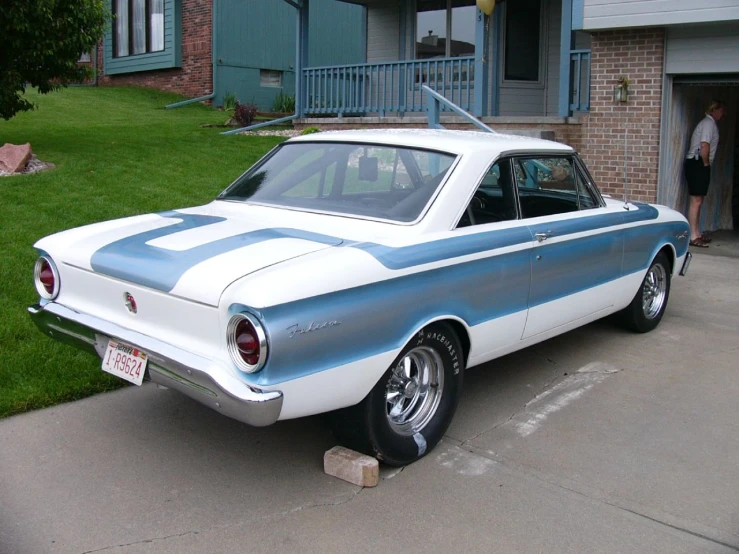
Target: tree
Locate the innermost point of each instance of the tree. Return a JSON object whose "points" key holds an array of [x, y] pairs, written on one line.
{"points": [[40, 43]]}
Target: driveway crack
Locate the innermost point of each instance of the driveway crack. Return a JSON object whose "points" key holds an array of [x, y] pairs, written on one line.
{"points": [[284, 513]]}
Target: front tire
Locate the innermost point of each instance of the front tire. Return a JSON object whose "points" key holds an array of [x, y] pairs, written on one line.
{"points": [[648, 306], [411, 406]]}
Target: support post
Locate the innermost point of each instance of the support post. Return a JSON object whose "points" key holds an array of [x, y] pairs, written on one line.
{"points": [[432, 108], [481, 66], [564, 59], [495, 61], [402, 84], [301, 55]]}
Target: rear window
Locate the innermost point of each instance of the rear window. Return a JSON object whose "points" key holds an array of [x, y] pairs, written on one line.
{"points": [[364, 180]]}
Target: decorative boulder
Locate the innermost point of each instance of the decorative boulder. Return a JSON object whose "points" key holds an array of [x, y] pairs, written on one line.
{"points": [[13, 158]]}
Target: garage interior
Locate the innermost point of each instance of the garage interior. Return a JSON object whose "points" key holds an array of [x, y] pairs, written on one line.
{"points": [[690, 96]]}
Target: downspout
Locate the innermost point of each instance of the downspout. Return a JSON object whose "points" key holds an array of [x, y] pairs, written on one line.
{"points": [[213, 62], [95, 66]]}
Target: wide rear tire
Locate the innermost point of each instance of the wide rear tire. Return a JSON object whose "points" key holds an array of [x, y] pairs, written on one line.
{"points": [[411, 406]]}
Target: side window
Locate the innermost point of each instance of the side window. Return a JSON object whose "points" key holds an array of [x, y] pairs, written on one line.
{"points": [[587, 201], [494, 199], [548, 186]]}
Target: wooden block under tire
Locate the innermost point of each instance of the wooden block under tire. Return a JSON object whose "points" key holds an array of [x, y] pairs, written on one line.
{"points": [[351, 466]]}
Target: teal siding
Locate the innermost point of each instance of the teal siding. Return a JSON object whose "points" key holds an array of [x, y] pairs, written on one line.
{"points": [[260, 34], [171, 56]]}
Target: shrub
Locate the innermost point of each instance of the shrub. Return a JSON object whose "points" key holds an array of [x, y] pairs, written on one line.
{"points": [[244, 114], [283, 103], [229, 102], [310, 130]]}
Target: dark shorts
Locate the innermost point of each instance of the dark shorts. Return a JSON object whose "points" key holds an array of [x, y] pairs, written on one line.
{"points": [[698, 177]]}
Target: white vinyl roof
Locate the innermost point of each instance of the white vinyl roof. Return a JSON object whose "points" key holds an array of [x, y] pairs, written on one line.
{"points": [[457, 142]]}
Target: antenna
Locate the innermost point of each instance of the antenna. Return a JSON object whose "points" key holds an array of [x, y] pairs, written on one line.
{"points": [[626, 145]]}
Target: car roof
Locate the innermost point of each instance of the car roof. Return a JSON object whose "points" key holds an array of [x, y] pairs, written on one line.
{"points": [[457, 142]]}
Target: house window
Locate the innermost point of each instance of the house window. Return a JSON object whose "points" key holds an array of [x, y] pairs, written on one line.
{"points": [[139, 27], [522, 40], [270, 78], [445, 28]]}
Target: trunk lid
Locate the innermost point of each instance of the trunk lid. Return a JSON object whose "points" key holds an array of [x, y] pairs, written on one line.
{"points": [[192, 254]]}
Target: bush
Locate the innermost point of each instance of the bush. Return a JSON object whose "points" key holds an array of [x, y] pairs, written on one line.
{"points": [[244, 114], [283, 103], [229, 102], [310, 130]]}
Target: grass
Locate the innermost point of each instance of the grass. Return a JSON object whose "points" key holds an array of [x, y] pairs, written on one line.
{"points": [[117, 153]]}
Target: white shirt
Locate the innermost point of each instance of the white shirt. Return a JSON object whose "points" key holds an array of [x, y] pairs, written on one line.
{"points": [[705, 131]]}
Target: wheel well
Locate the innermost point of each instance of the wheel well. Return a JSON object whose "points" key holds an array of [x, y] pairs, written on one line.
{"points": [[462, 334], [670, 253]]}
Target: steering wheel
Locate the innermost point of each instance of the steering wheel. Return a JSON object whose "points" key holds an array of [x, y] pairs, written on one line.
{"points": [[470, 215]]}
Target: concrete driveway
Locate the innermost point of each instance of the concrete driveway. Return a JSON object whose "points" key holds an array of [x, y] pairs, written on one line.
{"points": [[597, 441]]}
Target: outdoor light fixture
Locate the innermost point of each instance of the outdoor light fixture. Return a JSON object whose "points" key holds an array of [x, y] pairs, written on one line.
{"points": [[621, 90]]}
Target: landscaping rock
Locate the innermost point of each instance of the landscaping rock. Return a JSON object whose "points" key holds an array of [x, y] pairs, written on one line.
{"points": [[13, 157]]}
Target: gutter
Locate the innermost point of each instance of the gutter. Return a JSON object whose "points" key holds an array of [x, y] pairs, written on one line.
{"points": [[213, 65]]}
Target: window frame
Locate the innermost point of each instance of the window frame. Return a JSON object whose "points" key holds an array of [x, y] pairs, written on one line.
{"points": [[543, 42], [147, 30], [447, 30]]}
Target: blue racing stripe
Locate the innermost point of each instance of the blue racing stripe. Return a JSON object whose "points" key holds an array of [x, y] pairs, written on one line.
{"points": [[132, 259]]}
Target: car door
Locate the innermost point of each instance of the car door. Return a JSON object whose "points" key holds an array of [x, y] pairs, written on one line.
{"points": [[576, 250], [497, 313]]}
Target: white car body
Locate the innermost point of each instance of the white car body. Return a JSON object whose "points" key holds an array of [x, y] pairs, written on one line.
{"points": [[340, 296]]}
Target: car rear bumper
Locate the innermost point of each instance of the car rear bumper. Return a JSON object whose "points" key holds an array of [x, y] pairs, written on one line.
{"points": [[190, 374]]}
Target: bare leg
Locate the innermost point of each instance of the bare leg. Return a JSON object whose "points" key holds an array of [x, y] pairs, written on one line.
{"points": [[694, 212]]}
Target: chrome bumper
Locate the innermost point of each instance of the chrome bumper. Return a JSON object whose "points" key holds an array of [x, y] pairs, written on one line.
{"points": [[190, 374], [686, 264]]}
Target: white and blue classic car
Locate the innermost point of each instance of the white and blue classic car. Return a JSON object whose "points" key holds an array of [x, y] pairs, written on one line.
{"points": [[360, 273]]}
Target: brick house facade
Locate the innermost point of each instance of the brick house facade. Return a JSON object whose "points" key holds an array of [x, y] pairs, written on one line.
{"points": [[638, 54], [195, 76]]}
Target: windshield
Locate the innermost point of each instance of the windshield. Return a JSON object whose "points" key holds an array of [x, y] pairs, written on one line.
{"points": [[385, 182]]}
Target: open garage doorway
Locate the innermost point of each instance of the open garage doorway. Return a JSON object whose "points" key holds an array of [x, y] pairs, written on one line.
{"points": [[685, 107]]}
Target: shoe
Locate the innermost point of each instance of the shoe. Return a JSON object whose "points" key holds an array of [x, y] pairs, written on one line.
{"points": [[699, 243]]}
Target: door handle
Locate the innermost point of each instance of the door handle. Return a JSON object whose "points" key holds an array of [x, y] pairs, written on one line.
{"points": [[541, 237]]}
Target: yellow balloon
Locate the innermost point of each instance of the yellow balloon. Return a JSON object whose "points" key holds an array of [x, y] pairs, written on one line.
{"points": [[486, 6]]}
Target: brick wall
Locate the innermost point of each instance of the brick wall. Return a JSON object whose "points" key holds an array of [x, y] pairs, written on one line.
{"points": [[639, 56], [194, 78]]}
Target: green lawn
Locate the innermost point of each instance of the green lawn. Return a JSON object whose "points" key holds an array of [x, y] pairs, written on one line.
{"points": [[117, 152]]}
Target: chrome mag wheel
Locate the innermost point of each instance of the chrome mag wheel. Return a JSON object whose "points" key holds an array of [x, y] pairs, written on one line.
{"points": [[414, 390], [654, 291]]}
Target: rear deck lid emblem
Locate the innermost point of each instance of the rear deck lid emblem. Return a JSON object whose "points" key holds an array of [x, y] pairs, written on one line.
{"points": [[130, 302]]}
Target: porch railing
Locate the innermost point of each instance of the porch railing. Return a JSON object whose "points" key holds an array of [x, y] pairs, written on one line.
{"points": [[387, 87], [579, 80]]}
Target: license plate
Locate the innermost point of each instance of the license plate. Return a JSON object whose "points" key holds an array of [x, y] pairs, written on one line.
{"points": [[124, 361]]}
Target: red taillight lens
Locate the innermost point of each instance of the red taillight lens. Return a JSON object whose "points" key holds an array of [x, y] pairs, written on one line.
{"points": [[46, 278], [247, 342]]}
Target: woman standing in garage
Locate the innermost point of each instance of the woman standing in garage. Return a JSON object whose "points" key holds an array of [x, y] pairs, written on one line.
{"points": [[702, 151]]}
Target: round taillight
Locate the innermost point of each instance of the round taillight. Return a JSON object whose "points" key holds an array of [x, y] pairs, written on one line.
{"points": [[46, 278], [247, 343]]}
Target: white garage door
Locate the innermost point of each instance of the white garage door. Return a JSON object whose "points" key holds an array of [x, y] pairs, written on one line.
{"points": [[707, 48]]}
